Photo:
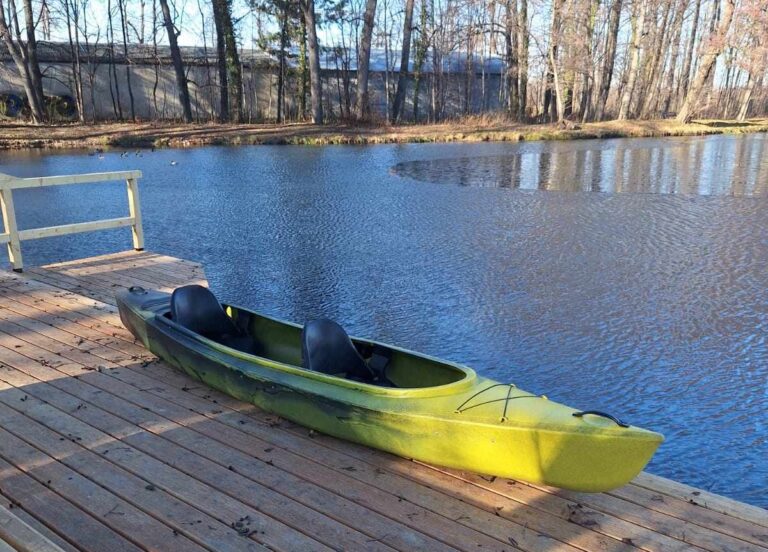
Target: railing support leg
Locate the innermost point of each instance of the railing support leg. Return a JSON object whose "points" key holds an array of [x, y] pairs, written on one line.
{"points": [[134, 208], [9, 221]]}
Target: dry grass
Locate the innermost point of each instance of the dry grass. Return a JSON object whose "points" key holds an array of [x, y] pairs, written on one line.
{"points": [[479, 128]]}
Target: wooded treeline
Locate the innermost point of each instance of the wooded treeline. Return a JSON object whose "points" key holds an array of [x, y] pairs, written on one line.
{"points": [[560, 60]]}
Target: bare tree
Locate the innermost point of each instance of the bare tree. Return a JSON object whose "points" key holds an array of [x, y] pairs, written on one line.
{"points": [[178, 64], [364, 59], [639, 10], [405, 55], [609, 59], [512, 51], [24, 54], [522, 56], [308, 7], [707, 62]]}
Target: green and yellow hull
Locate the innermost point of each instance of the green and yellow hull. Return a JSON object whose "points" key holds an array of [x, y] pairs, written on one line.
{"points": [[440, 412]]}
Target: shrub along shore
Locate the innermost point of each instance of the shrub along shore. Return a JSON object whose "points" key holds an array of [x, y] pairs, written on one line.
{"points": [[480, 129]]}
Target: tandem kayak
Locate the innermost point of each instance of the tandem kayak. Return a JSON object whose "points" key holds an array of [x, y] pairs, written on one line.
{"points": [[385, 397]]}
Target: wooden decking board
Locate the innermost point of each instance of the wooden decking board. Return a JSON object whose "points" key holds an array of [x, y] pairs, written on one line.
{"points": [[276, 438], [95, 375], [61, 319], [80, 289], [62, 446], [538, 540], [61, 303], [58, 514], [35, 523], [686, 531], [164, 477], [117, 514], [164, 493], [146, 269], [681, 509], [703, 499], [665, 544], [16, 533], [23, 348], [67, 394], [440, 528]]}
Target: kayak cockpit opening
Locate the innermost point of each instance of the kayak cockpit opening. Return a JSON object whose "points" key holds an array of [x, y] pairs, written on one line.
{"points": [[320, 346]]}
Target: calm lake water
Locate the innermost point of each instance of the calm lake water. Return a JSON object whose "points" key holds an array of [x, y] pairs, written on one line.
{"points": [[622, 275]]}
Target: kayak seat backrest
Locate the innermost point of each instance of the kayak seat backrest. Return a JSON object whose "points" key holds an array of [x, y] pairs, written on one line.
{"points": [[326, 348], [197, 309]]}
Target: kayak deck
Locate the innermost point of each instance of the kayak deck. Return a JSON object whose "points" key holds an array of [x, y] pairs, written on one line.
{"points": [[160, 458]]}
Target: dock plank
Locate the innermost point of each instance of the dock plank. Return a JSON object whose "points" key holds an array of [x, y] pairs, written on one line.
{"points": [[16, 533], [207, 456]]}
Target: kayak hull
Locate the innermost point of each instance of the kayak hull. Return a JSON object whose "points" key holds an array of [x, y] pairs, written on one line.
{"points": [[474, 424]]}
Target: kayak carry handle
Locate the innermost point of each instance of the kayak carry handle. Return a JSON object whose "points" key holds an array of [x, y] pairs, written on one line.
{"points": [[137, 289], [614, 419]]}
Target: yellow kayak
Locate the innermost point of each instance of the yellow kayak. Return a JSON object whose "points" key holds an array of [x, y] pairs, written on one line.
{"points": [[403, 402]]}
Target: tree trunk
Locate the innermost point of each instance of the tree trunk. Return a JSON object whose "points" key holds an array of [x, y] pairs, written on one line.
{"points": [[677, 36], [685, 74], [178, 64], [513, 68], [234, 70], [304, 71], [402, 77], [638, 22], [32, 62], [707, 63], [70, 9], [308, 6], [117, 105], [552, 102], [650, 95], [18, 53], [221, 59], [421, 54], [124, 30], [522, 57], [281, 63], [364, 59], [746, 98], [609, 60], [588, 80], [559, 104]]}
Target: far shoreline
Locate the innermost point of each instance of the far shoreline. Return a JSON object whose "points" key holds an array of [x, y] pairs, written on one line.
{"points": [[17, 136]]}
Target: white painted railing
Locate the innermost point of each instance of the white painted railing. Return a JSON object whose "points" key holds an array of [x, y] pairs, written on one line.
{"points": [[13, 236]]}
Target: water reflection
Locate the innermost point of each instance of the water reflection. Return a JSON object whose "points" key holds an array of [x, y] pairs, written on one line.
{"points": [[734, 166]]}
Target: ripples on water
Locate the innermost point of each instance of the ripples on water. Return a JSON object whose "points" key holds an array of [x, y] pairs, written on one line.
{"points": [[652, 306]]}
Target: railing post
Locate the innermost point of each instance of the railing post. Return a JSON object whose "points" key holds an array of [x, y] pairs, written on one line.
{"points": [[134, 207], [9, 221]]}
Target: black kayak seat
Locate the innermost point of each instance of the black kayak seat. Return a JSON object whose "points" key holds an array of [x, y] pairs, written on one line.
{"points": [[197, 309], [326, 348]]}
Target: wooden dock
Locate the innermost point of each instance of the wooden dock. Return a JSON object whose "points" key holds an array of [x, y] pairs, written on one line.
{"points": [[104, 448]]}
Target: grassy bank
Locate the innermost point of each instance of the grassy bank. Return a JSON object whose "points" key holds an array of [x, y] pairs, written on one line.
{"points": [[479, 129]]}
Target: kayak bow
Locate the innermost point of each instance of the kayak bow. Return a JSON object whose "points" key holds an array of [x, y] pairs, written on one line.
{"points": [[430, 410]]}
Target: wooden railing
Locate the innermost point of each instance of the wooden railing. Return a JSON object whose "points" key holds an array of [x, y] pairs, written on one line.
{"points": [[13, 236]]}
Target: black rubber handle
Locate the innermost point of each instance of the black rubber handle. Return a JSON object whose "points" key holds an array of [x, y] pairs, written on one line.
{"points": [[137, 289], [614, 419]]}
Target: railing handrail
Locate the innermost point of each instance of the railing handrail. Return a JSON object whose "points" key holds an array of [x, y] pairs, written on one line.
{"points": [[16, 183], [13, 236]]}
